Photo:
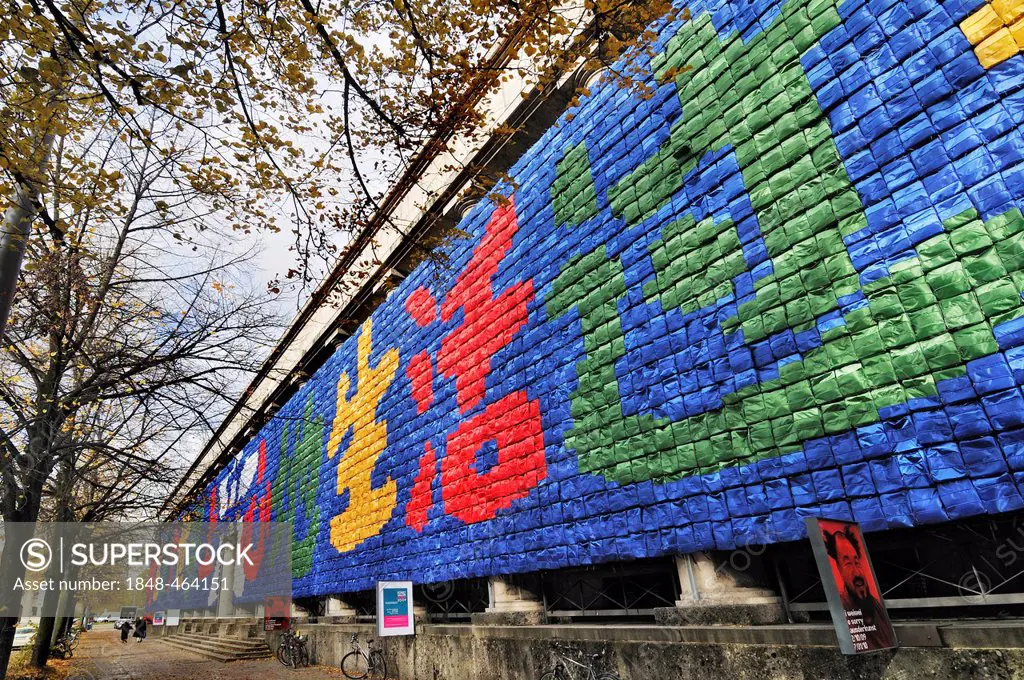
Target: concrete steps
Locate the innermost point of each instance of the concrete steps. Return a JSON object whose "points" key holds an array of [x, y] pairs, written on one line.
{"points": [[220, 648]]}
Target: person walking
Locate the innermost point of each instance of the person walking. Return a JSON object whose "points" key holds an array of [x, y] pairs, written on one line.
{"points": [[140, 629], [126, 627]]}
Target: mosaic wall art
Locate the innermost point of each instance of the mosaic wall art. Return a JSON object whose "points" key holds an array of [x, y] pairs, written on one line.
{"points": [[783, 278]]}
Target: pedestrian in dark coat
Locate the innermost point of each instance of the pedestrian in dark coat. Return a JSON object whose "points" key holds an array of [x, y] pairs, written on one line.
{"points": [[140, 629]]}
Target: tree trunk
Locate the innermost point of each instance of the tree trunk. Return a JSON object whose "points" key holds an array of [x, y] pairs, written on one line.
{"points": [[15, 535], [15, 231], [52, 628], [49, 625], [44, 634], [8, 625]]}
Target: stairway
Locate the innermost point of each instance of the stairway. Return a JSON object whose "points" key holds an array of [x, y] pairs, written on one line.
{"points": [[219, 648]]}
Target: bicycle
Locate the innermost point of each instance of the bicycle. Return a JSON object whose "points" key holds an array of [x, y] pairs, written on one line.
{"points": [[561, 670], [357, 664], [63, 648], [293, 652]]}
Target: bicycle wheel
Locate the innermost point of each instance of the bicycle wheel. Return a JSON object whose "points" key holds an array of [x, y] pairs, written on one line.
{"points": [[355, 666], [284, 655], [607, 676], [378, 666], [74, 642], [303, 656], [551, 675]]}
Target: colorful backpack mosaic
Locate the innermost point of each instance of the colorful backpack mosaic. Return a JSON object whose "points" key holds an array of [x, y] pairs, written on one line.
{"points": [[783, 279]]}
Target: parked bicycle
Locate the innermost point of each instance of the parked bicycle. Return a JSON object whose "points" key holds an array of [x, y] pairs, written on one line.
{"points": [[358, 664], [74, 637], [293, 652], [564, 662], [64, 647]]}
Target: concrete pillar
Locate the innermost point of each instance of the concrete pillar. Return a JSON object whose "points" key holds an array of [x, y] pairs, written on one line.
{"points": [[715, 591], [225, 599], [420, 617], [336, 606], [245, 611], [514, 601], [339, 611]]}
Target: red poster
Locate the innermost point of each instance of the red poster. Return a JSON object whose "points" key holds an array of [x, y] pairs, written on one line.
{"points": [[851, 587], [277, 613]]}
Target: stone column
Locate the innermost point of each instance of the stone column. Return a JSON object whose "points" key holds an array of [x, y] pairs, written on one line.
{"points": [[339, 611], [714, 591], [225, 599], [514, 601], [420, 616]]}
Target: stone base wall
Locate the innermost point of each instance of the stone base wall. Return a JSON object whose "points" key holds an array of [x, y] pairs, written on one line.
{"points": [[968, 651], [717, 614], [235, 627]]}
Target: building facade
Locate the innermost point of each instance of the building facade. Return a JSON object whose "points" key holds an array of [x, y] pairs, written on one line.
{"points": [[778, 275]]}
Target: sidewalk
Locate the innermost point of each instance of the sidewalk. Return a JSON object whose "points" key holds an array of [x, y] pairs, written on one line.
{"points": [[101, 656]]}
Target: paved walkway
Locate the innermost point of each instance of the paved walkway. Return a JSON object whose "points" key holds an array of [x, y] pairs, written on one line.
{"points": [[101, 656]]}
